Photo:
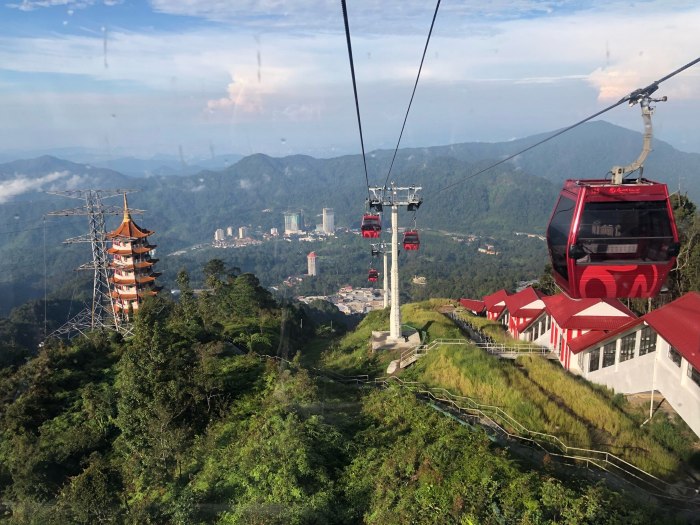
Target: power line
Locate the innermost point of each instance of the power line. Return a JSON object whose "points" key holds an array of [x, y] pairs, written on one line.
{"points": [[420, 68], [8, 232], [632, 98], [354, 87]]}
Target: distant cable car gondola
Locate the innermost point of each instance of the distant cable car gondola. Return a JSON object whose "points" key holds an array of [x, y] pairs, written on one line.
{"points": [[371, 226], [613, 238], [411, 241], [373, 275]]}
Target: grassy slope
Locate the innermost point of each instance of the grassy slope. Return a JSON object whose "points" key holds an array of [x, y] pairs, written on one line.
{"points": [[538, 393]]}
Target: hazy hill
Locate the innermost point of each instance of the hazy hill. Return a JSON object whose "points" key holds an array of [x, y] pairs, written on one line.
{"points": [[258, 189], [586, 152]]}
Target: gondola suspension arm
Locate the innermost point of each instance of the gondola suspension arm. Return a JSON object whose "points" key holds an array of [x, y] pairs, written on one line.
{"points": [[619, 172]]}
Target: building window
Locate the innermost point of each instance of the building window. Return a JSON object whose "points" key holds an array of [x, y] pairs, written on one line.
{"points": [[627, 347], [647, 343], [609, 354], [594, 360], [674, 355], [694, 375]]}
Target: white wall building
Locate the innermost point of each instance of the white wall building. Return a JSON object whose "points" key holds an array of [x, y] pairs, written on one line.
{"points": [[293, 222], [659, 351], [243, 232], [219, 234], [602, 340], [229, 231], [311, 263], [328, 221]]}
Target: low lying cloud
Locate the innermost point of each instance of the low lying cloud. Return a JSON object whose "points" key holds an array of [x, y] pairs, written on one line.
{"points": [[23, 184]]}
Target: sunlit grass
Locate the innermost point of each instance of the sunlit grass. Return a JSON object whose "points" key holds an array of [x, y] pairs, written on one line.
{"points": [[545, 399], [537, 393]]}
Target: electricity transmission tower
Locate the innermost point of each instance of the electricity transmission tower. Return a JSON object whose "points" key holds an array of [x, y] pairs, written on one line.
{"points": [[99, 315]]}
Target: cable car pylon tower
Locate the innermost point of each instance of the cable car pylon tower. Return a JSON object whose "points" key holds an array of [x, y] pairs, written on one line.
{"points": [[394, 197], [99, 315], [377, 250]]}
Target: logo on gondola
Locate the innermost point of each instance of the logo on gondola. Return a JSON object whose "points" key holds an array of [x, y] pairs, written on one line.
{"points": [[614, 190]]}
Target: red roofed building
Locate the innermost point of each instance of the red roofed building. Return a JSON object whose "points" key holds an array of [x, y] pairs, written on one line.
{"points": [[495, 304], [474, 306], [520, 309], [133, 278], [564, 319], [659, 351]]}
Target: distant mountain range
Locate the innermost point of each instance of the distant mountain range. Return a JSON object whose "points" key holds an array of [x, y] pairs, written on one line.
{"points": [[157, 165], [256, 190]]}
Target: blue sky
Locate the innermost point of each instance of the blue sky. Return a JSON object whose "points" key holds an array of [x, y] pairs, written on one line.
{"points": [[272, 76]]}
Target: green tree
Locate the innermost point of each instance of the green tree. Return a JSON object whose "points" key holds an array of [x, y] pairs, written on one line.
{"points": [[157, 409], [686, 275], [214, 272], [92, 496]]}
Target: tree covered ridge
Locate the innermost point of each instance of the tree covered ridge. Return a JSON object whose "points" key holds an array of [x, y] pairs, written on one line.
{"points": [[180, 425]]}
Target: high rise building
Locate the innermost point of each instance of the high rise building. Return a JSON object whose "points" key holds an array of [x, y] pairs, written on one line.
{"points": [[133, 278], [311, 263], [219, 234], [242, 232], [293, 222], [229, 231], [328, 221]]}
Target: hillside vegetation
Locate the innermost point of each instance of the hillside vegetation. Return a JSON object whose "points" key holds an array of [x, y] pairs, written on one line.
{"points": [[186, 423]]}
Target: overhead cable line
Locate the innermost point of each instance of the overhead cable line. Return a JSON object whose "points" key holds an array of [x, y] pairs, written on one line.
{"points": [[354, 87], [632, 98], [420, 68], [33, 228]]}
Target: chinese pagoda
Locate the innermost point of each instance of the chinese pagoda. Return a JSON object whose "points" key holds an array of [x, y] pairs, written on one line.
{"points": [[133, 278]]}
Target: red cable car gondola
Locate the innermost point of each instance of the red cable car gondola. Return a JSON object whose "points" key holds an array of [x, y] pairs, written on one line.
{"points": [[373, 275], [411, 241], [612, 240], [371, 226]]}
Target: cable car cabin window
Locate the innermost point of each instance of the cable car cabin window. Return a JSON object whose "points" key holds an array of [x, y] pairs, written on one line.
{"points": [[558, 234], [625, 231]]}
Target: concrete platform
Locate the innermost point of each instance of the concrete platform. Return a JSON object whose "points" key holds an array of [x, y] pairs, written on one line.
{"points": [[381, 341]]}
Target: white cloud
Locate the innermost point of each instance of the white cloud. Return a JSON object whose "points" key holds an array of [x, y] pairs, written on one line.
{"points": [[494, 70], [245, 184], [31, 5], [23, 184]]}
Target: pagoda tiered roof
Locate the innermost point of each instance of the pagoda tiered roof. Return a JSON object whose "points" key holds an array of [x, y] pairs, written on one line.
{"points": [[139, 249], [133, 279], [134, 296], [121, 265], [128, 229]]}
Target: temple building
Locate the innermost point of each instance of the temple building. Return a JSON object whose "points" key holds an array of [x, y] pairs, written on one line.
{"points": [[133, 278]]}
